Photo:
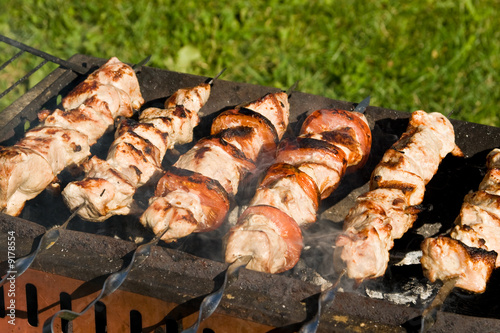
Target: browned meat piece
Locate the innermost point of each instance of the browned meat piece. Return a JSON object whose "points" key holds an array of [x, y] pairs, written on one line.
{"points": [[271, 237], [397, 183], [105, 187], [275, 108], [291, 191], [18, 186], [219, 160], [85, 119], [445, 258], [324, 121], [113, 73], [201, 201], [262, 128], [322, 161]]}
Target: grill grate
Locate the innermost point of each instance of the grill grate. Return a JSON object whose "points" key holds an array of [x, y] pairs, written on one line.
{"points": [[45, 56]]}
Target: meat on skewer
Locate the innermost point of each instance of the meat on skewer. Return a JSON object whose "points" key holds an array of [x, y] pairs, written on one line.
{"points": [[64, 137], [397, 185], [470, 252], [135, 156], [307, 169], [195, 195]]}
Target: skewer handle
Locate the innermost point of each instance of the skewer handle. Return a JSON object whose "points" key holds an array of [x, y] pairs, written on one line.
{"points": [[429, 315], [326, 297], [48, 239], [111, 284], [211, 301]]}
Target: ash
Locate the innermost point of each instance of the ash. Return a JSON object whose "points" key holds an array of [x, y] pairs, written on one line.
{"points": [[413, 292]]}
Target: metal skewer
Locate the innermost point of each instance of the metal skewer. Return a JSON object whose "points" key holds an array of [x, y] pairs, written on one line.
{"points": [[429, 315], [111, 284], [212, 80], [211, 301], [292, 89], [361, 107], [51, 236], [325, 298], [48, 239]]}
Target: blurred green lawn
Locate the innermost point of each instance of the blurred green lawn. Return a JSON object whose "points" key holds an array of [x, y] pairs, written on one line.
{"points": [[430, 55]]}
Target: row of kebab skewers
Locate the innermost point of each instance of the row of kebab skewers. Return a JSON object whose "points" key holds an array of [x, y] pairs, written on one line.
{"points": [[248, 142]]}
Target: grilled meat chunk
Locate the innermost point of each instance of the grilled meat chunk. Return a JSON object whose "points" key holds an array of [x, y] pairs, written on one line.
{"points": [[219, 160], [264, 136], [204, 198], [270, 236], [335, 126], [275, 108], [446, 258]]}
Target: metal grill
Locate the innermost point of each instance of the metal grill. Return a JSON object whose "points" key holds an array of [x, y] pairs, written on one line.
{"points": [[45, 56]]}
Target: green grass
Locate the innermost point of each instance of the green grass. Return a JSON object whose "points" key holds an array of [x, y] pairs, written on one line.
{"points": [[431, 55]]}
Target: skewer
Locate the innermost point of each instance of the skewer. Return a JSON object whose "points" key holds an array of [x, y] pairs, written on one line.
{"points": [[211, 301], [326, 297], [429, 315], [467, 236], [292, 89], [361, 107], [212, 80], [48, 239], [111, 284]]}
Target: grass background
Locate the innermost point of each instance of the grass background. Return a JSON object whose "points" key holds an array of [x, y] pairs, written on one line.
{"points": [[431, 55]]}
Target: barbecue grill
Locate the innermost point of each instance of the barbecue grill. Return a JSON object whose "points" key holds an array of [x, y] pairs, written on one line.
{"points": [[164, 293]]}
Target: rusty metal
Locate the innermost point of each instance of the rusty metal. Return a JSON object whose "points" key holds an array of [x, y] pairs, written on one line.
{"points": [[183, 273]]}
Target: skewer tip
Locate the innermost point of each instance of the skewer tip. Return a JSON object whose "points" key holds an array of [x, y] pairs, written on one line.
{"points": [[292, 88], [212, 80]]}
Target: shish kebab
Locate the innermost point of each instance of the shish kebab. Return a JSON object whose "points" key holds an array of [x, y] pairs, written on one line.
{"points": [[470, 251], [397, 187], [466, 257], [308, 168], [64, 137], [195, 195], [135, 156]]}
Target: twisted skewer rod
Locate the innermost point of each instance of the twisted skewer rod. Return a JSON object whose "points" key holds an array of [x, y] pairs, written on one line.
{"points": [[111, 284], [326, 297], [48, 239], [429, 315], [211, 301]]}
